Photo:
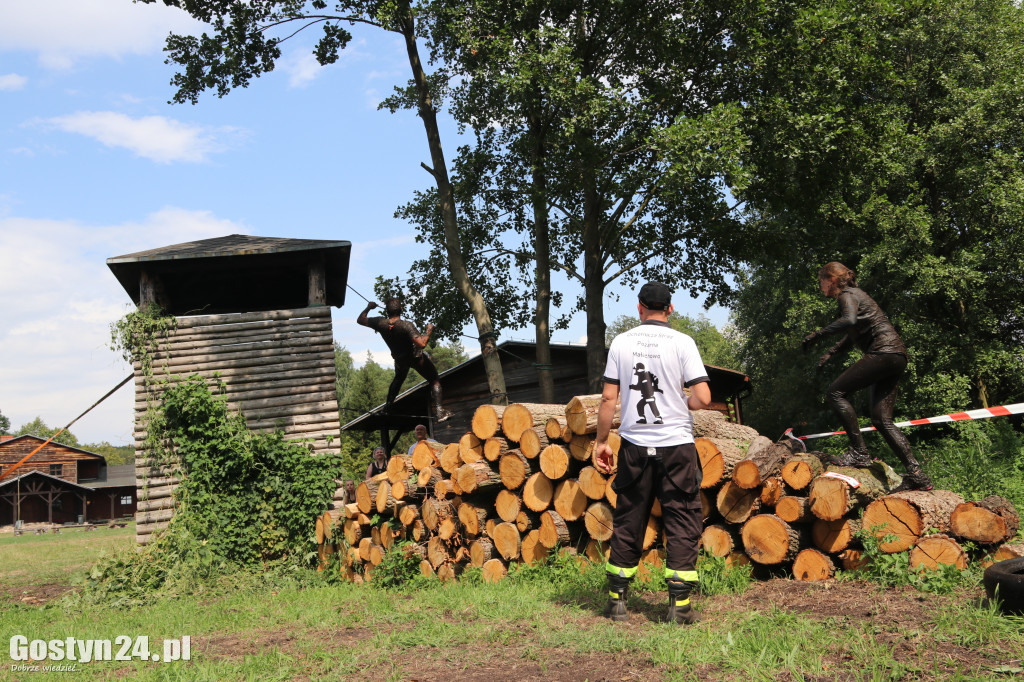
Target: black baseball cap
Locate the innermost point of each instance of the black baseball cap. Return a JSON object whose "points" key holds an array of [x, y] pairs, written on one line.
{"points": [[655, 296]]}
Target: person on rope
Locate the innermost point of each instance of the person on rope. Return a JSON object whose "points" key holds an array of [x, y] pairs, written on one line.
{"points": [[656, 459], [864, 323], [406, 345]]}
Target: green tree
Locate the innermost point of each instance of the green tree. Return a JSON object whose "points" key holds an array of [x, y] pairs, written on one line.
{"points": [[886, 135], [246, 42], [37, 427], [580, 94], [5, 425], [115, 455], [719, 347]]}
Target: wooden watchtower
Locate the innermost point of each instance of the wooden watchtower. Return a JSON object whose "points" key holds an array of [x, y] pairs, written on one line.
{"points": [[255, 312]]}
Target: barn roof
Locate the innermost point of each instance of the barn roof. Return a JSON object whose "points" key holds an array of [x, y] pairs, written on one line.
{"points": [[236, 273], [35, 472], [13, 439], [725, 383], [117, 476]]}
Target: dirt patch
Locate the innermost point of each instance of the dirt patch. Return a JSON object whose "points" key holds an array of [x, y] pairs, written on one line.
{"points": [[525, 664], [35, 595]]}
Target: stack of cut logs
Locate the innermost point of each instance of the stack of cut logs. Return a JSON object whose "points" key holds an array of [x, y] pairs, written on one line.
{"points": [[521, 483]]}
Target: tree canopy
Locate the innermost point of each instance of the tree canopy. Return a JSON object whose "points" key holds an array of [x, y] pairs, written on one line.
{"points": [[888, 136]]}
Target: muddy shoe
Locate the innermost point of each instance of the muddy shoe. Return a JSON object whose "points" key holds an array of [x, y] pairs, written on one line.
{"points": [[851, 458], [915, 480]]}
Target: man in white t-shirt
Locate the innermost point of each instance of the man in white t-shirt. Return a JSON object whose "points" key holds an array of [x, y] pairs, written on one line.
{"points": [[654, 363]]}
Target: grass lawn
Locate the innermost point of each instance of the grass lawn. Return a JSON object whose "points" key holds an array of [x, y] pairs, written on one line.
{"points": [[532, 630]]}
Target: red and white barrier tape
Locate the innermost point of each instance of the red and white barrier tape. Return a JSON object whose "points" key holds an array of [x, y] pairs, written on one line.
{"points": [[984, 413]]}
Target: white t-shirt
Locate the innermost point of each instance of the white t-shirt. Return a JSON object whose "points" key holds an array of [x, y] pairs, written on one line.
{"points": [[651, 364]]}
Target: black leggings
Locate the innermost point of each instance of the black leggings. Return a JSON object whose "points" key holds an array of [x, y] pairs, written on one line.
{"points": [[881, 372], [421, 364]]}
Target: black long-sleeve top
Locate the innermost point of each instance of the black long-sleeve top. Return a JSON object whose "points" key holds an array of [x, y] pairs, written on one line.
{"points": [[864, 323]]}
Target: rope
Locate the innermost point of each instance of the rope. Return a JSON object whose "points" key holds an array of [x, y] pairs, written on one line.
{"points": [[70, 423]]}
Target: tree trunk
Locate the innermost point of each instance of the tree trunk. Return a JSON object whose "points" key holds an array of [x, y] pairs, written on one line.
{"points": [[717, 460], [794, 509], [832, 498], [593, 272], [508, 505], [933, 550], [494, 570], [537, 492], [810, 565], [449, 214], [494, 448], [481, 551], [486, 421], [991, 521], [752, 471], [719, 540], [553, 529], [477, 476], [427, 453], [471, 448], [533, 441], [507, 540], [737, 504], [514, 469], [542, 249], [598, 521], [772, 490], [800, 470], [554, 426], [834, 536], [581, 413], [769, 540], [554, 462], [908, 515], [520, 417], [532, 551], [592, 483], [451, 459], [399, 468], [473, 518], [569, 500]]}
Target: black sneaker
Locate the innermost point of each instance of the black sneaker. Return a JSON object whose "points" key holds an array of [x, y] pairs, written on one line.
{"points": [[851, 458], [917, 480]]}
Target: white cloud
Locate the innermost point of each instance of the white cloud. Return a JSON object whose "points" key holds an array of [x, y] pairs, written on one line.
{"points": [[64, 30], [12, 81], [59, 298], [157, 138], [302, 69]]}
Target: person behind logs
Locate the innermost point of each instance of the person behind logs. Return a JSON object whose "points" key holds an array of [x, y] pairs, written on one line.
{"points": [[421, 435], [350, 491], [378, 465], [657, 458], [406, 345], [862, 322]]}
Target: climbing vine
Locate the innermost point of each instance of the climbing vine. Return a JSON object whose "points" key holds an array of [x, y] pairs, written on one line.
{"points": [[136, 335]]}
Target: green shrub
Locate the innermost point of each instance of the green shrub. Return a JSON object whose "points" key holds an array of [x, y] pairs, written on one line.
{"points": [[245, 502]]}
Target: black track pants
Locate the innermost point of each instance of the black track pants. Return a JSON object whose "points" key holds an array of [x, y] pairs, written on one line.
{"points": [[680, 514], [881, 373]]}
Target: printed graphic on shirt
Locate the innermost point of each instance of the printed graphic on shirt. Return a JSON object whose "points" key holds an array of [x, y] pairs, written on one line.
{"points": [[647, 385]]}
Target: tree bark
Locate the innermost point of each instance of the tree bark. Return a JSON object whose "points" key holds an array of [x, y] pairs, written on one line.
{"points": [[449, 215]]}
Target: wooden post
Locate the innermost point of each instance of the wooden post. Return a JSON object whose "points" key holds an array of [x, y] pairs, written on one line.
{"points": [[317, 283], [151, 290]]}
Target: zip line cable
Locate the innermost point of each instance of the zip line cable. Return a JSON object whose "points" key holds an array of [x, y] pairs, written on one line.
{"points": [[70, 423]]}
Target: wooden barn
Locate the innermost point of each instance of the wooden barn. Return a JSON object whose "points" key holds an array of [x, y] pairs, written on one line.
{"points": [[253, 312], [61, 484], [465, 388]]}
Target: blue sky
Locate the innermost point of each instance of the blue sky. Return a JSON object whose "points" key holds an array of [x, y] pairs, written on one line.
{"points": [[95, 163]]}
